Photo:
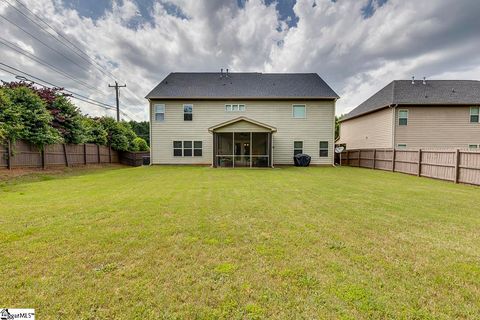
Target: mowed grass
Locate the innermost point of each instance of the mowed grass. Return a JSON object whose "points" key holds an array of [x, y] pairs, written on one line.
{"points": [[203, 243]]}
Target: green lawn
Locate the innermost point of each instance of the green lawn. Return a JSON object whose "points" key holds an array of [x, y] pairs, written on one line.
{"points": [[195, 242]]}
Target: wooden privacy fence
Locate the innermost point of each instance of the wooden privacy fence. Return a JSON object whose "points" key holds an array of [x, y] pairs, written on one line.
{"points": [[459, 166], [24, 155], [135, 159]]}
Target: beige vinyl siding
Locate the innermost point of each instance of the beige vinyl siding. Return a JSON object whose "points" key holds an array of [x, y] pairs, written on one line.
{"points": [[372, 130], [437, 127], [318, 126]]}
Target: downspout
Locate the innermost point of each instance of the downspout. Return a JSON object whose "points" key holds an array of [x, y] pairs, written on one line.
{"points": [[333, 133], [150, 131], [394, 123]]}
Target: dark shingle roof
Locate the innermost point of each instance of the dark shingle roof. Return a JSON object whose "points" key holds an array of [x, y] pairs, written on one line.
{"points": [[434, 92], [242, 85]]}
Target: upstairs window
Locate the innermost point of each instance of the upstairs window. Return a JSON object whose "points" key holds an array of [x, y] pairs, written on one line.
{"points": [[159, 112], [187, 112], [323, 148], [297, 147], [474, 114], [401, 146], [473, 146], [298, 111], [235, 107], [402, 117]]}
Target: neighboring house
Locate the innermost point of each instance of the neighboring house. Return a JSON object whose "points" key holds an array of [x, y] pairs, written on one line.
{"points": [[241, 119], [412, 114]]}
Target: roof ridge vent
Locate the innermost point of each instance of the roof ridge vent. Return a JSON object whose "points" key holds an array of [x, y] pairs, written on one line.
{"points": [[424, 80], [413, 79]]}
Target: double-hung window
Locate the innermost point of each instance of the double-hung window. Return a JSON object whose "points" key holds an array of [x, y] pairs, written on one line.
{"points": [[187, 148], [402, 117], [159, 112], [187, 112], [474, 114], [473, 146], [297, 147], [299, 111], [323, 148]]}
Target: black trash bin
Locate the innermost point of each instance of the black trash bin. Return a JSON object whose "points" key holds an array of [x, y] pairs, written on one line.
{"points": [[302, 160]]}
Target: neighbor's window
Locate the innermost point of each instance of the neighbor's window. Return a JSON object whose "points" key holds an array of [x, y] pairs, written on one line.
{"points": [[401, 146], [297, 147], [187, 148], [323, 148], [187, 112], [474, 114], [234, 107], [473, 146], [298, 111], [402, 117], [159, 112], [177, 148]]}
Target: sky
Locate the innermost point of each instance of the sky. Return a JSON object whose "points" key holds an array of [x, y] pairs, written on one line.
{"points": [[356, 46]]}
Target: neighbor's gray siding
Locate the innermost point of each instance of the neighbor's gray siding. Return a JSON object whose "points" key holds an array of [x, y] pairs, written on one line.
{"points": [[437, 127], [372, 130], [318, 126]]}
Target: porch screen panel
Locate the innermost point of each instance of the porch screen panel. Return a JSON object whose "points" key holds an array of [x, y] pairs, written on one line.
{"points": [[260, 153], [224, 156]]}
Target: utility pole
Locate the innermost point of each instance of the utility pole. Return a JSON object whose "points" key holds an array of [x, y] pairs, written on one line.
{"points": [[116, 86]]}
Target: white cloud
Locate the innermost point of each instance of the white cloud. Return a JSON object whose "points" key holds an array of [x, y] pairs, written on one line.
{"points": [[357, 56]]}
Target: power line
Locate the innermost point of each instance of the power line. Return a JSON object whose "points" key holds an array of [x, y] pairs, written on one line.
{"points": [[42, 42], [103, 70], [99, 67], [45, 63], [74, 94]]}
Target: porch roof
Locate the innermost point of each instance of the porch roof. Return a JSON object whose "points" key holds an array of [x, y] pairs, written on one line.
{"points": [[240, 119]]}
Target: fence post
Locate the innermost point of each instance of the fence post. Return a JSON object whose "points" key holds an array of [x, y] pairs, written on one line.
{"points": [[85, 153], [44, 158], [419, 162], [9, 155], [348, 158], [374, 157], [393, 159], [457, 165], [65, 153], [110, 154], [359, 157], [98, 152]]}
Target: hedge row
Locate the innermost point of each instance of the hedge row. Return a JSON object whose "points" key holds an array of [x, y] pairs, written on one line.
{"points": [[44, 116]]}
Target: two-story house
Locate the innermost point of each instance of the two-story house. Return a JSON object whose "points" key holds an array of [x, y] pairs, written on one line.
{"points": [[433, 114], [241, 119]]}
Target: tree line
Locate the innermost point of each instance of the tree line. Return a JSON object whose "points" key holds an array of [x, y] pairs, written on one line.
{"points": [[43, 116]]}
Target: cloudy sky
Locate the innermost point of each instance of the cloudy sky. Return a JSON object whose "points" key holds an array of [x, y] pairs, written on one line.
{"points": [[357, 46]]}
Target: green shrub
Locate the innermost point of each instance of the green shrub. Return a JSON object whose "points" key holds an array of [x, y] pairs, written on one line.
{"points": [[10, 118], [94, 131], [120, 135], [140, 144], [67, 119], [34, 117]]}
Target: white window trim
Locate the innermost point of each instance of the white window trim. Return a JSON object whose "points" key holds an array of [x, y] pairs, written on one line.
{"points": [[183, 149], [399, 111], [297, 105], [471, 114], [303, 146], [155, 105], [327, 148], [187, 104], [238, 107]]}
